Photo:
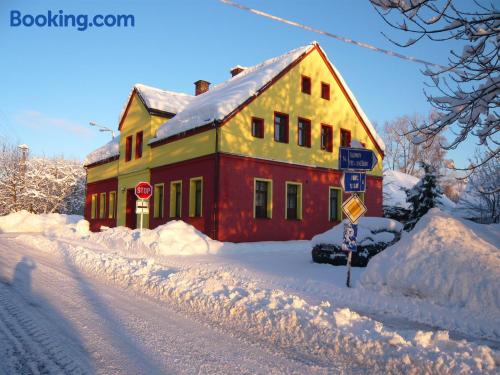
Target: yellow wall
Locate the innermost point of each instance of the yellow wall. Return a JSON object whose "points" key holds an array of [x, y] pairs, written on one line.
{"points": [[128, 182], [286, 96], [184, 149], [102, 172]]}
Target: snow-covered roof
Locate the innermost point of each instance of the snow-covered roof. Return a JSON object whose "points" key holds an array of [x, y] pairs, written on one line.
{"points": [[159, 100], [107, 151], [226, 97]]}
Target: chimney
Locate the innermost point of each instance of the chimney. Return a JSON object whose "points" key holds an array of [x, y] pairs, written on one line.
{"points": [[201, 86], [237, 70]]}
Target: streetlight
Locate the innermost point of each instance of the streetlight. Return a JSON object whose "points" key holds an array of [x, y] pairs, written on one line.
{"points": [[103, 128]]}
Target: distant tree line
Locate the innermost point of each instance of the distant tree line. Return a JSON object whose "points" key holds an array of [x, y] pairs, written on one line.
{"points": [[39, 184]]}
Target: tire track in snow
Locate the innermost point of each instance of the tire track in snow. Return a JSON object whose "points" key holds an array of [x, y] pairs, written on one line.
{"points": [[28, 344]]}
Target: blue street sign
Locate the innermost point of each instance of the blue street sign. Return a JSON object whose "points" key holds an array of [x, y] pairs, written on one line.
{"points": [[349, 240], [354, 182], [357, 159]]}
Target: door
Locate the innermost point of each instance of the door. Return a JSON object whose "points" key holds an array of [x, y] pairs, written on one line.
{"points": [[130, 215]]}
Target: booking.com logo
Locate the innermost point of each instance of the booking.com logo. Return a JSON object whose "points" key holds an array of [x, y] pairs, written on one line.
{"points": [[79, 21]]}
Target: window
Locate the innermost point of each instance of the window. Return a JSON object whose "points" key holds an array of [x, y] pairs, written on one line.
{"points": [[93, 206], [138, 145], [257, 127], [306, 85], [327, 138], [102, 206], [111, 204], [304, 132], [325, 90], [335, 204], [280, 127], [293, 201], [345, 138], [263, 198], [128, 148], [158, 200], [176, 199], [195, 196]]}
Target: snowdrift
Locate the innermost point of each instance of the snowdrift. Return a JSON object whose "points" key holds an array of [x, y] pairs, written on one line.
{"points": [[445, 260], [24, 221], [371, 230]]}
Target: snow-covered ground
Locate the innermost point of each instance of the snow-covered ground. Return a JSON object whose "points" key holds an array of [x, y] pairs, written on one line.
{"points": [[271, 294]]}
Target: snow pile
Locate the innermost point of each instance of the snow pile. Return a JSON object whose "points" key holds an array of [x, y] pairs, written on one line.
{"points": [[24, 221], [445, 260], [371, 230], [395, 184], [314, 331], [174, 238], [109, 150]]}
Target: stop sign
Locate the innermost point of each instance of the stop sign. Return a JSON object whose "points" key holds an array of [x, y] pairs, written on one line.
{"points": [[143, 190]]}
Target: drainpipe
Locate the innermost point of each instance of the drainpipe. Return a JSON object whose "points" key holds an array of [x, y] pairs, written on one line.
{"points": [[215, 227]]}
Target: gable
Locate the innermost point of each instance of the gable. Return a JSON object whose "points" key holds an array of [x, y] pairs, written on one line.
{"points": [[284, 95]]}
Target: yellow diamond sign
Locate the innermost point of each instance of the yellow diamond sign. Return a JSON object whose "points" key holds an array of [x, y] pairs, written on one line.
{"points": [[354, 208]]}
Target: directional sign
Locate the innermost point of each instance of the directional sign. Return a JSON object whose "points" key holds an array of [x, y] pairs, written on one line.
{"points": [[354, 208], [354, 182], [357, 159], [143, 190], [350, 234]]}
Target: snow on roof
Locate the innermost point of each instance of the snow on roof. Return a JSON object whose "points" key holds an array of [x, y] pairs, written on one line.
{"points": [[109, 150], [160, 100], [224, 98]]}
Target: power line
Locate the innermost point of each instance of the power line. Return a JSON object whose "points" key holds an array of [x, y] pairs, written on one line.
{"points": [[334, 36]]}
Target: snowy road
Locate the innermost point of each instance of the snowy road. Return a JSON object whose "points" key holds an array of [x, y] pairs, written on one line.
{"points": [[55, 319]]}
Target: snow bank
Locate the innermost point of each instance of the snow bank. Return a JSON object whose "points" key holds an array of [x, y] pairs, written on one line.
{"points": [[445, 260], [371, 230], [24, 221], [174, 238], [109, 150], [312, 331], [394, 187]]}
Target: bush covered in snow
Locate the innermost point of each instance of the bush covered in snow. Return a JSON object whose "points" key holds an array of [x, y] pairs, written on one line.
{"points": [[374, 235], [448, 261]]}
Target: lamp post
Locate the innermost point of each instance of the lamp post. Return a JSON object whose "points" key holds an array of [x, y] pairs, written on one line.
{"points": [[103, 128]]}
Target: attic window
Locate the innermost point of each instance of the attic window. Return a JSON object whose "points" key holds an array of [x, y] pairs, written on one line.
{"points": [[325, 91], [306, 85], [257, 127], [345, 138]]}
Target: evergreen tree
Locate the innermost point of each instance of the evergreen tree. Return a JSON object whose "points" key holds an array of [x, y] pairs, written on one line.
{"points": [[423, 196]]}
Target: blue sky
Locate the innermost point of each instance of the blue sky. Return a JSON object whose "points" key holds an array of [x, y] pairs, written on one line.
{"points": [[55, 80]]}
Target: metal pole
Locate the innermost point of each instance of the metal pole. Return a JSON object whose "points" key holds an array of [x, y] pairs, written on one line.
{"points": [[142, 213], [348, 283]]}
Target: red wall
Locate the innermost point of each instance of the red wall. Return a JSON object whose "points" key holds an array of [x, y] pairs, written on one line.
{"points": [[104, 186], [236, 221], [204, 167]]}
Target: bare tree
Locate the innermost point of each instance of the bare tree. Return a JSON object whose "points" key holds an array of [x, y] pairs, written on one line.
{"points": [[403, 154], [467, 89]]}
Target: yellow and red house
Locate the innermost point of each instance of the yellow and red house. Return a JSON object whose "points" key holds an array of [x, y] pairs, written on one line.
{"points": [[254, 158]]}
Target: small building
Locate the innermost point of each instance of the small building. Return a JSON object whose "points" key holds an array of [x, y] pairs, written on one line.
{"points": [[253, 158]]}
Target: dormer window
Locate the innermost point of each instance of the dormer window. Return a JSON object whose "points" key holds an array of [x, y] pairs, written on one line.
{"points": [[138, 145], [128, 148]]}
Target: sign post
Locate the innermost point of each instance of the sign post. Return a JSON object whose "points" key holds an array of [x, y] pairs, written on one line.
{"points": [[355, 162], [143, 191]]}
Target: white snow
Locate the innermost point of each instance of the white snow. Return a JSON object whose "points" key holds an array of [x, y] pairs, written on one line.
{"points": [[396, 182], [24, 221], [110, 149], [162, 100], [445, 260], [273, 293], [371, 230]]}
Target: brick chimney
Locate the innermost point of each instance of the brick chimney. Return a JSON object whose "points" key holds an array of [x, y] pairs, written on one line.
{"points": [[237, 70], [201, 86]]}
